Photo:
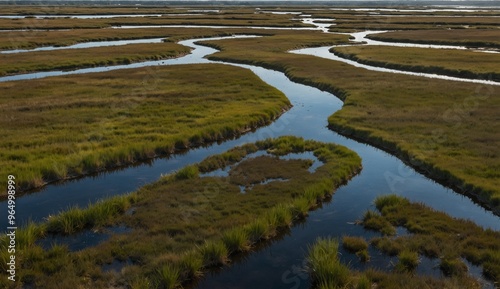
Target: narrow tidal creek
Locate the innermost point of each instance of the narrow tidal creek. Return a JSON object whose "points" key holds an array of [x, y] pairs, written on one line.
{"points": [[278, 264]]}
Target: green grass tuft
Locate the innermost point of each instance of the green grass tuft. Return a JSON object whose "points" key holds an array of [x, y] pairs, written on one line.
{"points": [[168, 276], [373, 221], [214, 254], [236, 240], [407, 261], [453, 266], [187, 173], [324, 265]]}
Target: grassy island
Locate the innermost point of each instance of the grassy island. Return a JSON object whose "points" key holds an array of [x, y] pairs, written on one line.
{"points": [[190, 221]]}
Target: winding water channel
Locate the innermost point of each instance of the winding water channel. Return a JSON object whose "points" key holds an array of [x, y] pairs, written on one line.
{"points": [[274, 266]]}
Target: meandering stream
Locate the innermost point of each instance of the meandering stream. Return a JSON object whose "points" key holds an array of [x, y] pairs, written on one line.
{"points": [[274, 266]]}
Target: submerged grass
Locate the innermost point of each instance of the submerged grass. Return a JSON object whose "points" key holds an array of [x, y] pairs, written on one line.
{"points": [[181, 226], [104, 120]]}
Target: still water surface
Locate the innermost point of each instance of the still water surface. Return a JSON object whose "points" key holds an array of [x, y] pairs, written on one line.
{"points": [[273, 266]]}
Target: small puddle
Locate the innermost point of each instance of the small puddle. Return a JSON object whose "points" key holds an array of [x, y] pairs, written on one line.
{"points": [[82, 240]]}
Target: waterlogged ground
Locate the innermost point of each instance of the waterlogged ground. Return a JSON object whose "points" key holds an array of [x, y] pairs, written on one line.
{"points": [[281, 263]]}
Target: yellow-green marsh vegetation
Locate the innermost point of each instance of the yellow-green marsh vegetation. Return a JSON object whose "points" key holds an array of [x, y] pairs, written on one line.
{"points": [[328, 272], [446, 129], [467, 37], [468, 64], [437, 235], [186, 222], [90, 57], [104, 120], [230, 19], [31, 39]]}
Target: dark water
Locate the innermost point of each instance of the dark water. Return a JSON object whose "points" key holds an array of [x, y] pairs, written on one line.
{"points": [[276, 266]]}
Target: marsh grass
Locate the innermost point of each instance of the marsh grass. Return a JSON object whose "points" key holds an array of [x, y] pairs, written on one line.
{"points": [[356, 245], [466, 64], [186, 173], [301, 207], [168, 276], [363, 22], [90, 57], [435, 234], [229, 19], [407, 261], [453, 266], [191, 265], [196, 223], [76, 219], [374, 221], [106, 120], [257, 230], [327, 272], [236, 240], [214, 253], [280, 216], [461, 153], [325, 267], [467, 37]]}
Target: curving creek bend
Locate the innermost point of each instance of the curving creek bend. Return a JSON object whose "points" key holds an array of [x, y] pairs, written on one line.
{"points": [[279, 263]]}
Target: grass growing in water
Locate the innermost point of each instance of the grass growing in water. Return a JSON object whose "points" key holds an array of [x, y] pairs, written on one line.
{"points": [[168, 276], [104, 120], [436, 234], [325, 267], [407, 261], [357, 245], [328, 272], [208, 219]]}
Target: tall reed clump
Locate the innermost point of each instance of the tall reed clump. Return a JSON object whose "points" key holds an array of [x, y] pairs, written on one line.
{"points": [[236, 240], [168, 276], [214, 253], [27, 235], [191, 265], [98, 214], [325, 268]]}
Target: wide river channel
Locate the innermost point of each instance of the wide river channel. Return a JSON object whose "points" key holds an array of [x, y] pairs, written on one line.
{"points": [[280, 263]]}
